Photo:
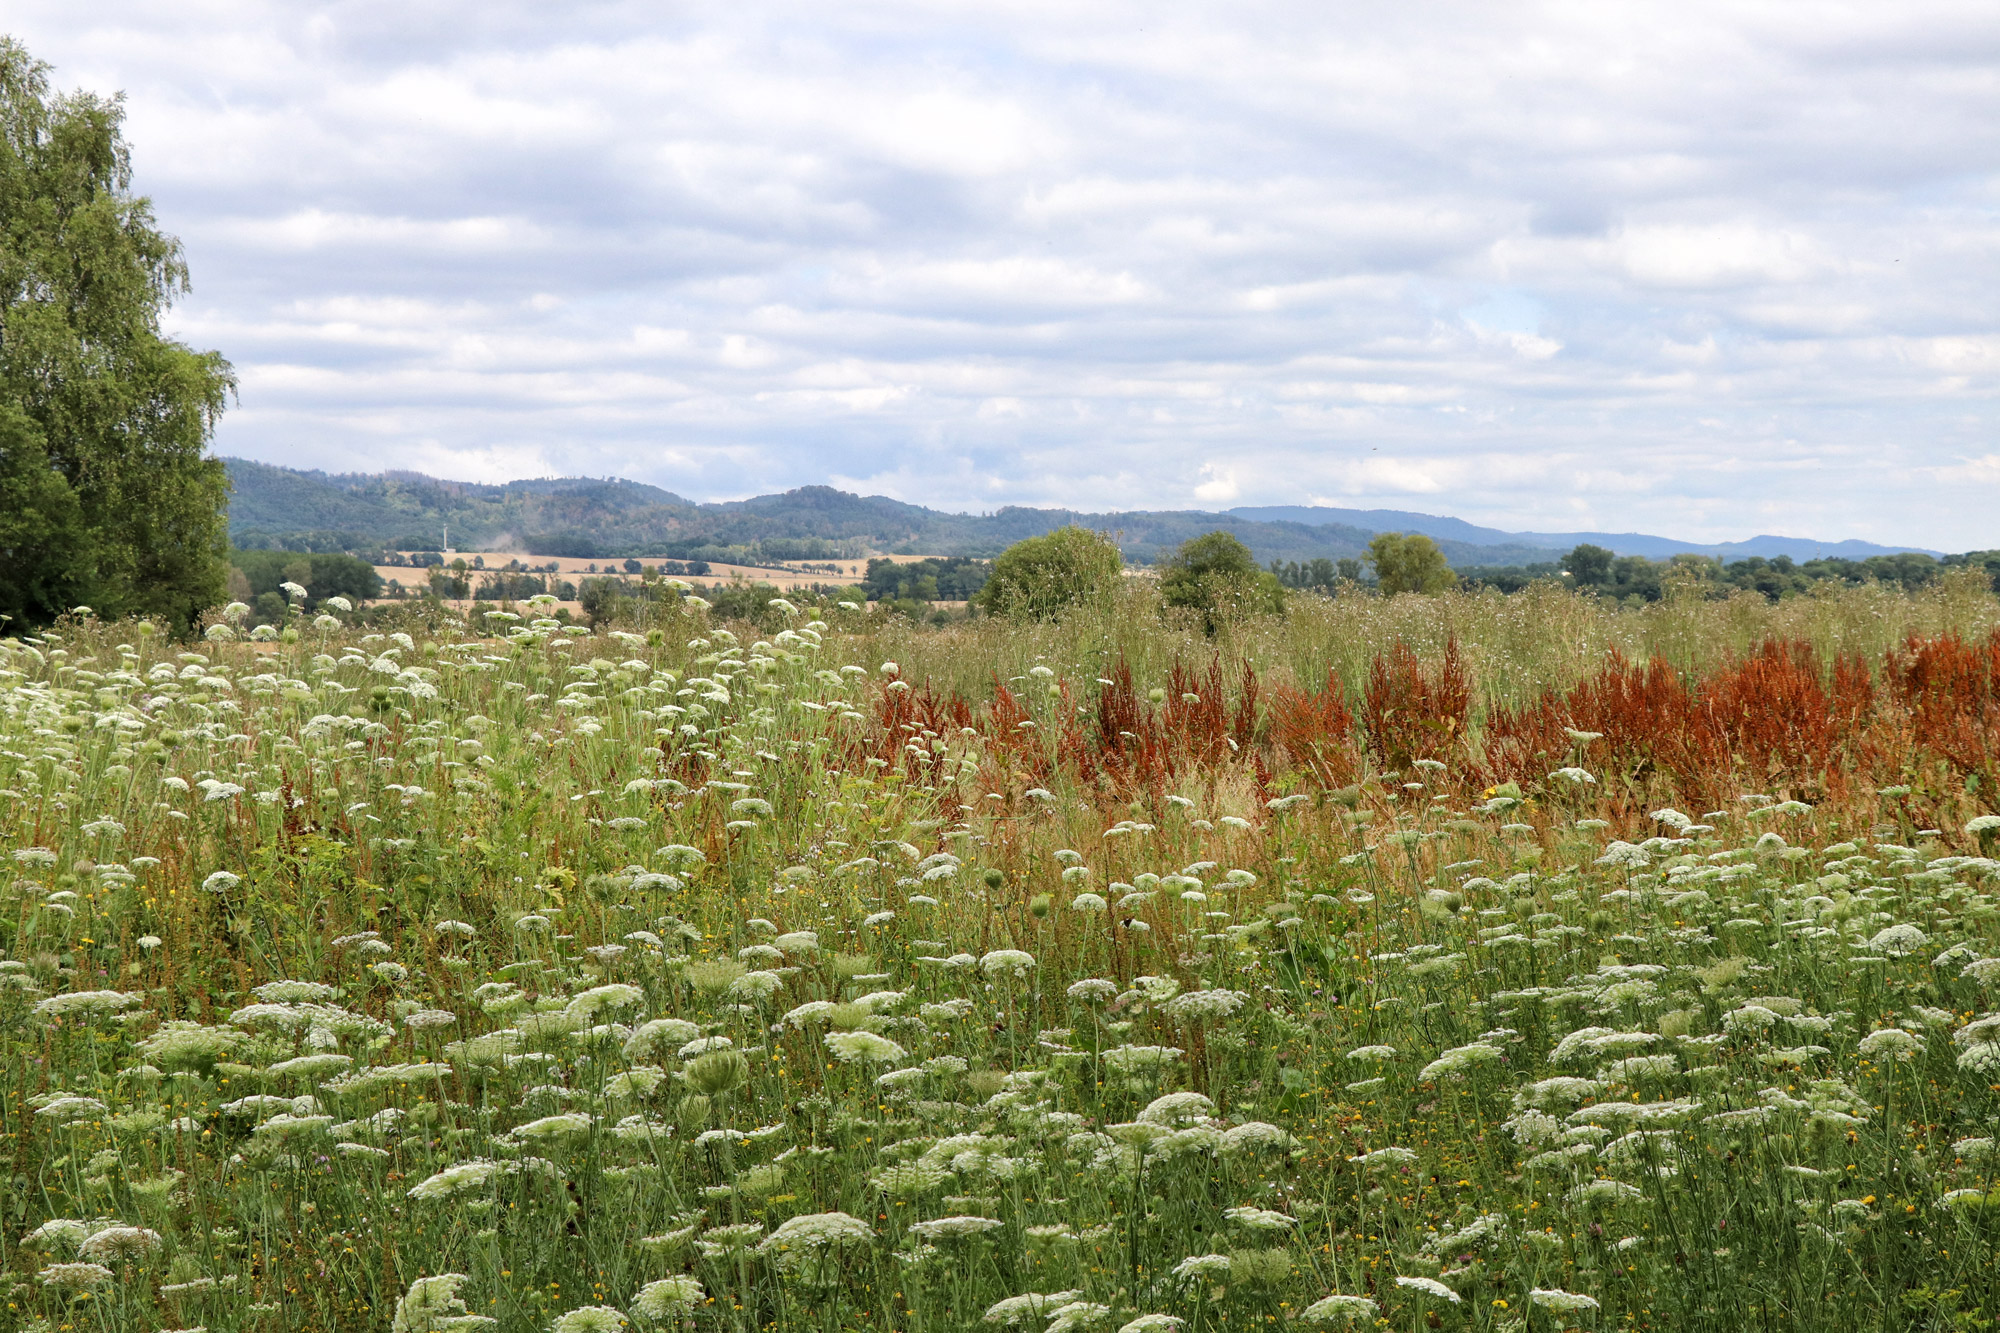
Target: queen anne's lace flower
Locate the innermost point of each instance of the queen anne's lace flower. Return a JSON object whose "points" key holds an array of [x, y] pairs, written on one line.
{"points": [[1012, 962], [458, 1178], [86, 1002], [76, 1277], [1153, 1323], [1259, 1219], [1429, 1286], [1198, 1004], [1028, 1305], [1178, 1108], [669, 1298], [1338, 1308], [861, 1047], [811, 1235], [955, 1226], [1889, 1044], [1458, 1062], [1076, 1315], [1214, 1267], [1899, 940], [433, 1305]]}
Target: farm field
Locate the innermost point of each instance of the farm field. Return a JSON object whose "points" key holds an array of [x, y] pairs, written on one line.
{"points": [[573, 568], [1456, 962], [405, 579]]}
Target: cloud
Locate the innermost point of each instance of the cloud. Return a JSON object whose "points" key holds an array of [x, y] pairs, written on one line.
{"points": [[1218, 485], [1692, 267]]}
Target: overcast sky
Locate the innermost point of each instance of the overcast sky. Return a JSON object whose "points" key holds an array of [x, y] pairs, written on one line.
{"points": [[1703, 269]]}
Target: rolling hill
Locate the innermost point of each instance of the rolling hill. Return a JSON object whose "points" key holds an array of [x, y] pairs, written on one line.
{"points": [[610, 517]]}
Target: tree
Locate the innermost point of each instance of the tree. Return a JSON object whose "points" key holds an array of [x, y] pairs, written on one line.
{"points": [[107, 496], [1216, 575], [603, 600], [322, 576], [1041, 576], [1589, 566], [1409, 563], [43, 544]]}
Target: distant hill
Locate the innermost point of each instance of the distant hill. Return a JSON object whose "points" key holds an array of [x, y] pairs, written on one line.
{"points": [[1622, 543], [585, 517], [600, 518]]}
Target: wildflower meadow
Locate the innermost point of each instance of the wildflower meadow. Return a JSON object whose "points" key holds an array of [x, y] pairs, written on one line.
{"points": [[1446, 962]]}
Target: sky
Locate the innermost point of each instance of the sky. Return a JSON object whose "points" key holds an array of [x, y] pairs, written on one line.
{"points": [[1704, 269]]}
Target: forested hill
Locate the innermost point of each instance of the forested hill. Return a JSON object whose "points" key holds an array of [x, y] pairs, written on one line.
{"points": [[580, 516]]}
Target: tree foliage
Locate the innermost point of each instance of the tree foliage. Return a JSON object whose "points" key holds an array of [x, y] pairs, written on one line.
{"points": [[1409, 562], [106, 494], [1216, 575], [952, 578], [321, 575], [1040, 576]]}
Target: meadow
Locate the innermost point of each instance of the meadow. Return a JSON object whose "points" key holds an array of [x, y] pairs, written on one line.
{"points": [[1462, 962]]}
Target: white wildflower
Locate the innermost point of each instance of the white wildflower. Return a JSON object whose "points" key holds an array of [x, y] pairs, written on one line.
{"points": [[1075, 1315], [1011, 961], [955, 1226], [1430, 1286], [861, 1047], [669, 1298], [812, 1234], [1259, 1219], [1342, 1309], [1028, 1305], [76, 1277], [120, 1243]]}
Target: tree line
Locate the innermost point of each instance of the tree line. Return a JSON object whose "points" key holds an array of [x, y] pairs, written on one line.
{"points": [[1597, 570]]}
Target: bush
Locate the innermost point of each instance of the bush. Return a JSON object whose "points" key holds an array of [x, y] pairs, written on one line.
{"points": [[1215, 574], [1039, 577]]}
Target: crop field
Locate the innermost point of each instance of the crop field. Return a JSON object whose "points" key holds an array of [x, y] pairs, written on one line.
{"points": [[1455, 962]]}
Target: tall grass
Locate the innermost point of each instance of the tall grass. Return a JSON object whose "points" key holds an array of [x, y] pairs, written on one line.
{"points": [[686, 979]]}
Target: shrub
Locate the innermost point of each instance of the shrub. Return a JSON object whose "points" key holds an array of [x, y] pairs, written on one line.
{"points": [[1215, 574], [1039, 577]]}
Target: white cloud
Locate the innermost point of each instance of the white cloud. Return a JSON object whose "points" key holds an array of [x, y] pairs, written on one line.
{"points": [[1218, 484], [1693, 267]]}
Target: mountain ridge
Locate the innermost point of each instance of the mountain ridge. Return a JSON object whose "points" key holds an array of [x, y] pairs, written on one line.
{"points": [[615, 517], [1619, 543]]}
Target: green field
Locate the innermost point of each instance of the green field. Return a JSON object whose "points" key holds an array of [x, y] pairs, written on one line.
{"points": [[1406, 963]]}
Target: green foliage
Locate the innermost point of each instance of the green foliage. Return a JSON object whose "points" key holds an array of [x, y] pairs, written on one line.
{"points": [[1319, 575], [1589, 565], [1409, 562], [1632, 577], [322, 576], [742, 600], [602, 600], [131, 522], [44, 545], [1215, 575], [953, 578], [1042, 576]]}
